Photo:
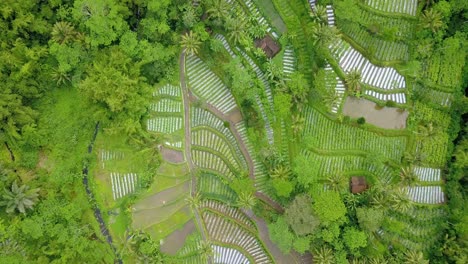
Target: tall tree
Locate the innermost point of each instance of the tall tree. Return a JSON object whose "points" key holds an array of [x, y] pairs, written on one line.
{"points": [[431, 19], [353, 81], [114, 83], [191, 43], [300, 216], [19, 198]]}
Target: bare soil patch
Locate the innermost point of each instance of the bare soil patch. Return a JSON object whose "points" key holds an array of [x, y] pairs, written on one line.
{"points": [[234, 116], [171, 155], [387, 117], [176, 239]]}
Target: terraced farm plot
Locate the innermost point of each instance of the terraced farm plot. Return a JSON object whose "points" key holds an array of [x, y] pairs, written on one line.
{"points": [[427, 174], [253, 10], [335, 165], [212, 186], [209, 139], [381, 49], [165, 124], [208, 86], [289, 61], [168, 90], [261, 176], [167, 106], [208, 161], [229, 232], [228, 255], [385, 78], [330, 135], [201, 119], [399, 98], [417, 229], [426, 194], [123, 184], [407, 7], [334, 85]]}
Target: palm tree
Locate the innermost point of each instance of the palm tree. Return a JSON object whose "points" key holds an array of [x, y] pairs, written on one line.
{"points": [[415, 257], [194, 201], [236, 28], [19, 198], [273, 71], [324, 35], [427, 130], [319, 14], [218, 9], [246, 200], [407, 176], [60, 76], [377, 261], [337, 182], [431, 19], [280, 172], [331, 98], [378, 199], [205, 249], [353, 81], [297, 124], [63, 32], [399, 200], [323, 255], [191, 43]]}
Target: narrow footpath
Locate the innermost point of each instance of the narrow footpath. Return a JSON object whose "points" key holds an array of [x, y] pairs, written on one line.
{"points": [[188, 141]]}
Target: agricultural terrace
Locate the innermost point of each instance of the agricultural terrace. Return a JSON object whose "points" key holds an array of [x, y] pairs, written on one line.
{"points": [[233, 131], [255, 150]]}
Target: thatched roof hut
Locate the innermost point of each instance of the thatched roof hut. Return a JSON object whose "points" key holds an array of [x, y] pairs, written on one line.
{"points": [[358, 184], [268, 45]]}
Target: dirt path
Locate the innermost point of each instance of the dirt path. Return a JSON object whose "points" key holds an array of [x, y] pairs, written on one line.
{"points": [[188, 141]]}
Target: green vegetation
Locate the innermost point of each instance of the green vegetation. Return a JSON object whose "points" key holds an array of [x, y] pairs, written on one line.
{"points": [[176, 131]]}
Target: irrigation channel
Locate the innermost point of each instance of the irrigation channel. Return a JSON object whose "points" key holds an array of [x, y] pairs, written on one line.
{"points": [[97, 211]]}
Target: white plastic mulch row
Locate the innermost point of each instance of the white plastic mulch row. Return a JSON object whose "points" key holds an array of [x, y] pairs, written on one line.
{"points": [[312, 4], [167, 106], [201, 117], [289, 61], [208, 86], [338, 86], [225, 44], [111, 155], [399, 98], [260, 174], [208, 139], [123, 184], [229, 211], [226, 255], [395, 6], [225, 231], [381, 77], [168, 89], [330, 16], [426, 194], [164, 124], [260, 19], [427, 174], [210, 161], [177, 144]]}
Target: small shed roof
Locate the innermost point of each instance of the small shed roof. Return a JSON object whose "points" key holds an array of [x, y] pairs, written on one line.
{"points": [[268, 45], [358, 184]]}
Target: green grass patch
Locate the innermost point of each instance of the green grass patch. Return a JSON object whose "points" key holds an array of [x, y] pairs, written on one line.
{"points": [[169, 225], [268, 9]]}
